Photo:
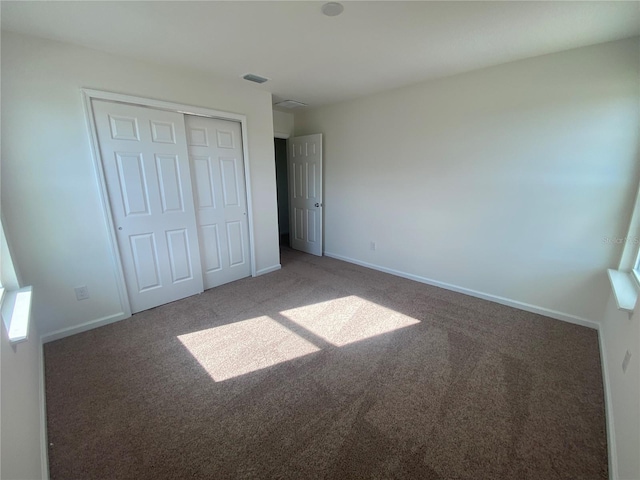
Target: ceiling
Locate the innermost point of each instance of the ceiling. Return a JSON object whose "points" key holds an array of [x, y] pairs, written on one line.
{"points": [[308, 57]]}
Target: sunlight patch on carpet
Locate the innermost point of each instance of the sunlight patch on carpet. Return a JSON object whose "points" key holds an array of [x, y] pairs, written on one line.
{"points": [[347, 320], [239, 348]]}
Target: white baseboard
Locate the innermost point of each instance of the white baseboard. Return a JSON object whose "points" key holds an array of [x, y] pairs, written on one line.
{"points": [[44, 443], [270, 269], [83, 327], [611, 438], [565, 317], [608, 410]]}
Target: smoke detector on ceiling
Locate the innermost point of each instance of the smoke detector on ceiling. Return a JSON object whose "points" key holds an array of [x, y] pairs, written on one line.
{"points": [[332, 9], [290, 104], [254, 78]]}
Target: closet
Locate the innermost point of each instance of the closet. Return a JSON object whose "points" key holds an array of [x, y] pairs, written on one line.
{"points": [[177, 195]]}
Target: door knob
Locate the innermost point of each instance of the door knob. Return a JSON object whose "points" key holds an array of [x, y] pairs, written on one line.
{"points": [[318, 204]]}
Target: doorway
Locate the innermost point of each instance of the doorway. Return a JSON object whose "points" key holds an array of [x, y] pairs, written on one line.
{"points": [[304, 162], [282, 185], [299, 192]]}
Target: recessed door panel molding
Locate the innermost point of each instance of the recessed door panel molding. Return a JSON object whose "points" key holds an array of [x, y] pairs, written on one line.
{"points": [[145, 259], [298, 224], [151, 199], [311, 180], [294, 187], [198, 137], [225, 139], [305, 170], [163, 132], [124, 128], [169, 183], [311, 226], [203, 182], [297, 169], [133, 183], [229, 176], [216, 156], [179, 255], [212, 258], [235, 241]]}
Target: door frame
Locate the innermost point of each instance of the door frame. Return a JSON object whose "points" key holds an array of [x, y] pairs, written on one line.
{"points": [[87, 96]]}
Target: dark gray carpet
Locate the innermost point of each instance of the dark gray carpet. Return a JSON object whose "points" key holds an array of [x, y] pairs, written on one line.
{"points": [[327, 370]]}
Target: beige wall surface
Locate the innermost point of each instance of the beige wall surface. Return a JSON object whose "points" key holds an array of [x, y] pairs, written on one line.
{"points": [[282, 123], [505, 181]]}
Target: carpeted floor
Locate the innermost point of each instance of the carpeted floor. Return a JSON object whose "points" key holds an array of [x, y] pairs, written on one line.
{"points": [[327, 370]]}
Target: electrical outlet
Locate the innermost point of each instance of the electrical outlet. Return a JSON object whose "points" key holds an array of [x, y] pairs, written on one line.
{"points": [[372, 245], [625, 362], [82, 293]]}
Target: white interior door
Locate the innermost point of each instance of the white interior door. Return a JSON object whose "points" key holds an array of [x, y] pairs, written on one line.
{"points": [[146, 168], [305, 190], [217, 169]]}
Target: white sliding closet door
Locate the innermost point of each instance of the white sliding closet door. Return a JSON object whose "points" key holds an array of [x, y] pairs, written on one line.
{"points": [[146, 168], [217, 169]]}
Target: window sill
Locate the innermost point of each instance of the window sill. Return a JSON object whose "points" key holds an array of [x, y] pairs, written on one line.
{"points": [[624, 289], [16, 312]]}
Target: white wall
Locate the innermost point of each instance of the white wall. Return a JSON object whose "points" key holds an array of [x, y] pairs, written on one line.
{"points": [[7, 272], [503, 181], [282, 123], [50, 198], [20, 416], [620, 333]]}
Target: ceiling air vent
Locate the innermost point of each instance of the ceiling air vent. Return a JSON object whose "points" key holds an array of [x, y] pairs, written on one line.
{"points": [[254, 78], [290, 104]]}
